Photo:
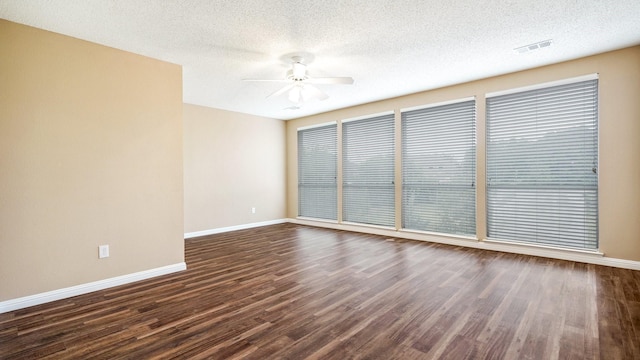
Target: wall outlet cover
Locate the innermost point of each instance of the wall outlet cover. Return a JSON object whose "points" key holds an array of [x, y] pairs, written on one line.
{"points": [[103, 251]]}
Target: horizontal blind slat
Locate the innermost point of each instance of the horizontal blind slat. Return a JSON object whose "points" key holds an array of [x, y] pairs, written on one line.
{"points": [[438, 172], [317, 172], [542, 157], [368, 160]]}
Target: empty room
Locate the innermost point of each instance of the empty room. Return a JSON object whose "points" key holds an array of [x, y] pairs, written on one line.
{"points": [[319, 179]]}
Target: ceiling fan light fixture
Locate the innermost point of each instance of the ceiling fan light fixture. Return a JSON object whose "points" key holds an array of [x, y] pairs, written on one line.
{"points": [[295, 95], [306, 93]]}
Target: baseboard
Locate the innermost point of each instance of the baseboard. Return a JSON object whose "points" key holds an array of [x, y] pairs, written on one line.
{"points": [[233, 228], [524, 249], [37, 299], [595, 258]]}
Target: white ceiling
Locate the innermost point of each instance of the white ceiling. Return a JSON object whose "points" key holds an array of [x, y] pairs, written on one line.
{"points": [[390, 47]]}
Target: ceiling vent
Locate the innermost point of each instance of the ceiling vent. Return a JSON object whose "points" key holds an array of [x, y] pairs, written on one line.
{"points": [[532, 47]]}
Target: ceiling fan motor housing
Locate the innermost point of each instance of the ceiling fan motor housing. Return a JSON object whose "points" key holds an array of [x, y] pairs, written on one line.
{"points": [[298, 71]]}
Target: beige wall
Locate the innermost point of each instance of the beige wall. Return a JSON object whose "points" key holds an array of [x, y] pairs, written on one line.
{"points": [[619, 170], [232, 162], [90, 154]]}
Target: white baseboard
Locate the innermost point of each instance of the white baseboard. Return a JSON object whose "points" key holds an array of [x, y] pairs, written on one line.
{"points": [[590, 258], [524, 249], [37, 299], [233, 228]]}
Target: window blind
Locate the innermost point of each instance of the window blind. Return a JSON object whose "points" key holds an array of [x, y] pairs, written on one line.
{"points": [[439, 169], [368, 171], [317, 172], [542, 157]]}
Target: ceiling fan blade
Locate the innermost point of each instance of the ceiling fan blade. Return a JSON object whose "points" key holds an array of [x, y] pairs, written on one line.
{"points": [[281, 91], [331, 80], [269, 80], [311, 92]]}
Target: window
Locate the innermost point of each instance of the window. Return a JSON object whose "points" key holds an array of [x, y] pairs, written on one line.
{"points": [[368, 170], [439, 168], [542, 156], [317, 172]]}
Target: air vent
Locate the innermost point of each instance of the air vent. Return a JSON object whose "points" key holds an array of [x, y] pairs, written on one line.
{"points": [[532, 47]]}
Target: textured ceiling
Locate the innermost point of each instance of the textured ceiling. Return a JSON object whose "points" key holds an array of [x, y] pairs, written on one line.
{"points": [[390, 47]]}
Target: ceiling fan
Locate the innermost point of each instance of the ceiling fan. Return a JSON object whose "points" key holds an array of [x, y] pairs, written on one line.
{"points": [[301, 86]]}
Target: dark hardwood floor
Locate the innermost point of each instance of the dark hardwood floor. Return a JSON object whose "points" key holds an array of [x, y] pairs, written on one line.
{"points": [[296, 292]]}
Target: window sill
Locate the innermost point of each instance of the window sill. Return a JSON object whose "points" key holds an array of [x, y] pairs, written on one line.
{"points": [[440, 235], [316, 219], [595, 253]]}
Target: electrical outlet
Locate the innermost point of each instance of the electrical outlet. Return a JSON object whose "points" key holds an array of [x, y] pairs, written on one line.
{"points": [[253, 210], [103, 251]]}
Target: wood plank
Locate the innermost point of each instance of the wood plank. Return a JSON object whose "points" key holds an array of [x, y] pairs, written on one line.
{"points": [[293, 292]]}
